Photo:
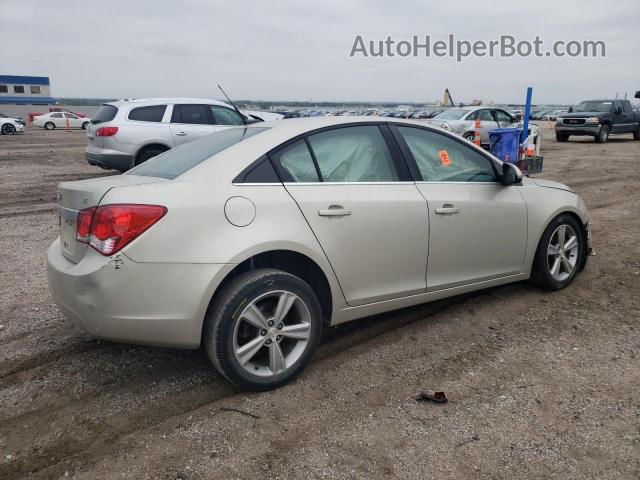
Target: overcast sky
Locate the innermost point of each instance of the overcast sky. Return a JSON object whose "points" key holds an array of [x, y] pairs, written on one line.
{"points": [[295, 50]]}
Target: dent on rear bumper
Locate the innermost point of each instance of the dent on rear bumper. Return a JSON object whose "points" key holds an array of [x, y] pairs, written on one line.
{"points": [[118, 299]]}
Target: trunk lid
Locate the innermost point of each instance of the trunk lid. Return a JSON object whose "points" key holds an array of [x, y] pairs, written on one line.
{"points": [[75, 196]]}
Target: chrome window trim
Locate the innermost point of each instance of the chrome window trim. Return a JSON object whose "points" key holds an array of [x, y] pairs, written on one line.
{"points": [[408, 182]]}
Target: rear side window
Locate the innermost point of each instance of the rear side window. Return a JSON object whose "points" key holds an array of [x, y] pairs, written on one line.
{"points": [[152, 113], [191, 114], [225, 116], [297, 163], [353, 154], [178, 160], [105, 113]]}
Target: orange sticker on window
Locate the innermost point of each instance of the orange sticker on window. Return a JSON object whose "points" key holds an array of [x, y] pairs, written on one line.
{"points": [[444, 158]]}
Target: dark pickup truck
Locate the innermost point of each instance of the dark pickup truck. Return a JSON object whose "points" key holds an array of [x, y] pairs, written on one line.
{"points": [[599, 119]]}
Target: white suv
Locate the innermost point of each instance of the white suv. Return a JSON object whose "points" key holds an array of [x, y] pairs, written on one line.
{"points": [[126, 133]]}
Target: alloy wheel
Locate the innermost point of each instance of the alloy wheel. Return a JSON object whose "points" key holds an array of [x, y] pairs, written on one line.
{"points": [[562, 252], [272, 333]]}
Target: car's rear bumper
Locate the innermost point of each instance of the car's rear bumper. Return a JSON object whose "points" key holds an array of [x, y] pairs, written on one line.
{"points": [[118, 299], [109, 159], [591, 130]]}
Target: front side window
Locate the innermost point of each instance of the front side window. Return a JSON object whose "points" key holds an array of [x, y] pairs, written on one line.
{"points": [[443, 159], [18, 89], [353, 154], [296, 162], [225, 116], [153, 113], [34, 89], [191, 114]]}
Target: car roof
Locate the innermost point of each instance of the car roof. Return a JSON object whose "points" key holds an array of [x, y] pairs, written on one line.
{"points": [[155, 101], [228, 163]]}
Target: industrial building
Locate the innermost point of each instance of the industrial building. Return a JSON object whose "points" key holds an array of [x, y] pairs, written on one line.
{"points": [[25, 90]]}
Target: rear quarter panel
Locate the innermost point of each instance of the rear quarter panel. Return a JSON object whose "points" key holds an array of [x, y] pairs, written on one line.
{"points": [[196, 229]]}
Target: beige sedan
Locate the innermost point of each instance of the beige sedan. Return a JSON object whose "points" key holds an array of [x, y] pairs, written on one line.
{"points": [[251, 241]]}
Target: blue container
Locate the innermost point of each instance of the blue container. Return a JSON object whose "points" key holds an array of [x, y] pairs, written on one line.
{"points": [[505, 143]]}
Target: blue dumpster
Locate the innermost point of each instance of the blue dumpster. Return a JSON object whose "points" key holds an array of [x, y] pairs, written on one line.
{"points": [[505, 143]]}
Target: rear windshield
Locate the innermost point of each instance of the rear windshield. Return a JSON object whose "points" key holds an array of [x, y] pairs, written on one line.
{"points": [[105, 113], [178, 160]]}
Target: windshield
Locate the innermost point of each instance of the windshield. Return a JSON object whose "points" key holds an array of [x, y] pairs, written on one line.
{"points": [[593, 106], [451, 114], [178, 160], [105, 113]]}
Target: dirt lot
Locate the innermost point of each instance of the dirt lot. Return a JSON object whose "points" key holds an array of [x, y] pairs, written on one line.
{"points": [[540, 385]]}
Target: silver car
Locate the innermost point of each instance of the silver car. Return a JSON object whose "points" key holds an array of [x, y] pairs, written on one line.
{"points": [[251, 241], [462, 121], [126, 133]]}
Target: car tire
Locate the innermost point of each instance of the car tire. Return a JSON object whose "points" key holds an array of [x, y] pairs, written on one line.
{"points": [[148, 153], [256, 358], [636, 134], [470, 136], [49, 126], [561, 137], [85, 125], [8, 129], [559, 258], [603, 135]]}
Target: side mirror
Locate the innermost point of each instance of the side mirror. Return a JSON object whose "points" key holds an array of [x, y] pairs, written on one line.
{"points": [[511, 175], [570, 109]]}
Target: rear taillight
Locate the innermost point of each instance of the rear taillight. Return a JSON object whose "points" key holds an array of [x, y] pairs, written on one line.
{"points": [[106, 131], [83, 224], [112, 227]]}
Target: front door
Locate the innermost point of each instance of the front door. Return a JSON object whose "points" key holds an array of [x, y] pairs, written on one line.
{"points": [[190, 122], [371, 222], [477, 226]]}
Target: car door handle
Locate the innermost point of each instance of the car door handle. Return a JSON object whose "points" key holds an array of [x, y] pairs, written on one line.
{"points": [[181, 134], [334, 211], [447, 209]]}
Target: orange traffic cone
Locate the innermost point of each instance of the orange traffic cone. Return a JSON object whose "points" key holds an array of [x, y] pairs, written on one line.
{"points": [[476, 133]]}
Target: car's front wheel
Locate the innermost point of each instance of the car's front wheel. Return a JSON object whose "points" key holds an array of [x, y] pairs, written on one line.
{"points": [[263, 328], [603, 135], [560, 254], [8, 129], [562, 137]]}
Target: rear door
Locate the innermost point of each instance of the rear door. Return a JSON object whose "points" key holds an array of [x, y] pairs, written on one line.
{"points": [[618, 117], [191, 121], [487, 122], [354, 191], [58, 119], [477, 226]]}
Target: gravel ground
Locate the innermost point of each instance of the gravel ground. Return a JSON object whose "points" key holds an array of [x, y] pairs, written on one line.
{"points": [[541, 385]]}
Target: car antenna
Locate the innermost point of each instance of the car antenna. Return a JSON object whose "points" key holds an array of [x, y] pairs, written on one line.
{"points": [[232, 104]]}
